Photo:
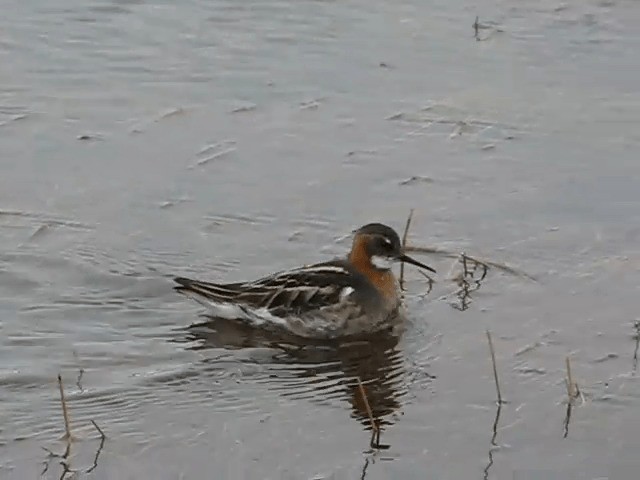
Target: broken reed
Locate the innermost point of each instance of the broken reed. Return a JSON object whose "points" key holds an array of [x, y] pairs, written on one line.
{"points": [[65, 412], [405, 235], [365, 400], [65, 459], [495, 368], [572, 387]]}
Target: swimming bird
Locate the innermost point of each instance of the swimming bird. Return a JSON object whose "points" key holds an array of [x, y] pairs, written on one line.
{"points": [[355, 295]]}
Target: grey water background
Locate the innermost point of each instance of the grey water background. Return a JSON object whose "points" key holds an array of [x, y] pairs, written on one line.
{"points": [[226, 140]]}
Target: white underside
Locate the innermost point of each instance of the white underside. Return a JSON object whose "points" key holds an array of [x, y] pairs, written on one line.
{"points": [[317, 326], [309, 326], [231, 311]]}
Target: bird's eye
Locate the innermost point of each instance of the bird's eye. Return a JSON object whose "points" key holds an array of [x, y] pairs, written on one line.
{"points": [[386, 243]]}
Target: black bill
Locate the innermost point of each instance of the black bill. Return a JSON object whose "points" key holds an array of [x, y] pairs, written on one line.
{"points": [[407, 259]]}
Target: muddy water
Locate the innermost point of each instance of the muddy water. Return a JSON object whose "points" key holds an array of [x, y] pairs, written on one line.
{"points": [[225, 140]]}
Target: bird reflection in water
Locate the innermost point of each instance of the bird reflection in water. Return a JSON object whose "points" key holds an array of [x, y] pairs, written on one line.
{"points": [[321, 370]]}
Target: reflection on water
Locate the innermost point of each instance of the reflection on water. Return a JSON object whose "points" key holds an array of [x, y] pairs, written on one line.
{"points": [[467, 273], [494, 445], [65, 459], [319, 371], [469, 279]]}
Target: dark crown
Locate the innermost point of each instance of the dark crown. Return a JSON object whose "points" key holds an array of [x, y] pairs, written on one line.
{"points": [[381, 230]]}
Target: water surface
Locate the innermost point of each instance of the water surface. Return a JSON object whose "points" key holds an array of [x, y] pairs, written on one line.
{"points": [[224, 140]]}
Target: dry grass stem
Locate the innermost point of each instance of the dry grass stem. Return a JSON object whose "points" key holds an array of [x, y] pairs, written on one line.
{"points": [[454, 254], [65, 458], [572, 394], [572, 387], [430, 282], [495, 368], [363, 393], [404, 244], [636, 337], [65, 412]]}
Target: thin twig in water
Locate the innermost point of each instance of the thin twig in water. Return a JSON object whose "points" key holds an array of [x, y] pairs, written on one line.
{"points": [[79, 380], [495, 368], [367, 407], [404, 244], [471, 265], [65, 412], [569, 379], [636, 326], [454, 254], [65, 461], [467, 281], [375, 428], [572, 387], [477, 26], [66, 464], [573, 392]]}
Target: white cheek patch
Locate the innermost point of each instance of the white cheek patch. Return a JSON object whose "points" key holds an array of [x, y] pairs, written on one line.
{"points": [[382, 263]]}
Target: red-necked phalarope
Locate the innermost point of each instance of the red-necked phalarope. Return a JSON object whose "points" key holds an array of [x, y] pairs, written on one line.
{"points": [[355, 295]]}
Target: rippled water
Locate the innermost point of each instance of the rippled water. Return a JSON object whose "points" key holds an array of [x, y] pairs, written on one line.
{"points": [[141, 140]]}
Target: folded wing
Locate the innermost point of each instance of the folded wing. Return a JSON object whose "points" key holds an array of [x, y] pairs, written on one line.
{"points": [[294, 292]]}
